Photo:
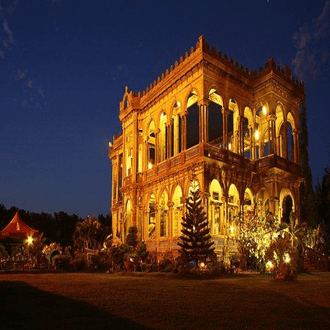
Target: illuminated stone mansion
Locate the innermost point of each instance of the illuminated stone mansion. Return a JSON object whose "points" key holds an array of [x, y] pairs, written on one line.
{"points": [[207, 119]]}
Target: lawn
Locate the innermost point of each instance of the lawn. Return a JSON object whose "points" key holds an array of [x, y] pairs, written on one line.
{"points": [[160, 301]]}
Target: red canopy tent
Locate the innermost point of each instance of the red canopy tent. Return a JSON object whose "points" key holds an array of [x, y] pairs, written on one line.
{"points": [[17, 229]]}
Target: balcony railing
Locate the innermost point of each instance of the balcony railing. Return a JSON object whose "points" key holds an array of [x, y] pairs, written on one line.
{"points": [[219, 154], [274, 160]]}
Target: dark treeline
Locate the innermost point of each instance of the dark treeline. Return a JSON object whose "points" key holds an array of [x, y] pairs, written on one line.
{"points": [[57, 227]]}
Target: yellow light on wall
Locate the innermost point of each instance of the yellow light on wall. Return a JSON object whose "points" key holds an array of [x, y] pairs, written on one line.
{"points": [[231, 229], [264, 110], [256, 135], [229, 146], [150, 166]]}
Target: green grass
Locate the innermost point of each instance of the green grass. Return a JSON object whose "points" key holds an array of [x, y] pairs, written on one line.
{"points": [[159, 301]]}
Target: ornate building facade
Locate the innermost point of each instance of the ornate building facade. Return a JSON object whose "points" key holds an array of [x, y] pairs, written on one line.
{"points": [[207, 119]]}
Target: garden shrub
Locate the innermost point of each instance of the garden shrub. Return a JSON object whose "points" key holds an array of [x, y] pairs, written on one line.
{"points": [[61, 261]]}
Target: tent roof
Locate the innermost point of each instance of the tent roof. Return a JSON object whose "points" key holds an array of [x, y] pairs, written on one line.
{"points": [[17, 229]]}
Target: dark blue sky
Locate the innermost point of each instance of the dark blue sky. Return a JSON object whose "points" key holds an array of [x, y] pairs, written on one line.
{"points": [[64, 65]]}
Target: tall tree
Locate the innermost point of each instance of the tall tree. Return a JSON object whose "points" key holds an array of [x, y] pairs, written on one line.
{"points": [[196, 244], [307, 198]]}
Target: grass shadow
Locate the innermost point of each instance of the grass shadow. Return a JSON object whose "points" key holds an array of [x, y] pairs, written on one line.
{"points": [[23, 306]]}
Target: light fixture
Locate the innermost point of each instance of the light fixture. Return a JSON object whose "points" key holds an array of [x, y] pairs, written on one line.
{"points": [[256, 135], [29, 240], [149, 165], [287, 258], [229, 146], [264, 110]]}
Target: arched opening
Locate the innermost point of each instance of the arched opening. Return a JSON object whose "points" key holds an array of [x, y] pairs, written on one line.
{"points": [[248, 201], [268, 142], [290, 139], [215, 122], [176, 130], [163, 209], [261, 132], [215, 210], [152, 217], [151, 145], [247, 132], [177, 211], [280, 136], [232, 126], [162, 137], [281, 141], [192, 132], [287, 208], [233, 208]]}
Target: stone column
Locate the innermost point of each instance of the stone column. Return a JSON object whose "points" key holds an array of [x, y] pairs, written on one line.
{"points": [[157, 146], [169, 139], [225, 113], [241, 136], [271, 133], [203, 120], [184, 132], [296, 155], [251, 142]]}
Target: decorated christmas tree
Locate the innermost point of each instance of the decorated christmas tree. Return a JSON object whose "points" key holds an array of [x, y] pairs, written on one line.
{"points": [[196, 244]]}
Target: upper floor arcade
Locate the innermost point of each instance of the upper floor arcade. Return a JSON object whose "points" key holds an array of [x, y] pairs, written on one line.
{"points": [[207, 105]]}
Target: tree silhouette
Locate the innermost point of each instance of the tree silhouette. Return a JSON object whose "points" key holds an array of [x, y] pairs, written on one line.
{"points": [[195, 242], [307, 198]]}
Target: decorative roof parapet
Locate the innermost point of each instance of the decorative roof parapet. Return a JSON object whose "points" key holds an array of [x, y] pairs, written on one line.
{"points": [[203, 46]]}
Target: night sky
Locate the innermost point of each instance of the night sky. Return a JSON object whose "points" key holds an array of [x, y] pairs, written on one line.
{"points": [[64, 65]]}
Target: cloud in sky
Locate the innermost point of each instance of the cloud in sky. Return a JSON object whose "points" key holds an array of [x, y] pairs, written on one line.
{"points": [[312, 43]]}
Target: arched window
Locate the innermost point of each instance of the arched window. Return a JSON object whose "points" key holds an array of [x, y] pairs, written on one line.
{"points": [[215, 216], [192, 132], [176, 130], [261, 133], [287, 208], [290, 139], [247, 132], [152, 217], [248, 201], [177, 211], [151, 145], [233, 210], [215, 123], [163, 209], [232, 126], [281, 141]]}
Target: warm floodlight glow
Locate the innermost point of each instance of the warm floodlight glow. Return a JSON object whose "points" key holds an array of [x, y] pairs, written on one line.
{"points": [[287, 258], [229, 146], [256, 135], [29, 240], [231, 229], [150, 166], [202, 264], [264, 110], [269, 266]]}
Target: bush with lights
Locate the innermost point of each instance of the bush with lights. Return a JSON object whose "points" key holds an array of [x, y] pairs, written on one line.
{"points": [[254, 236]]}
